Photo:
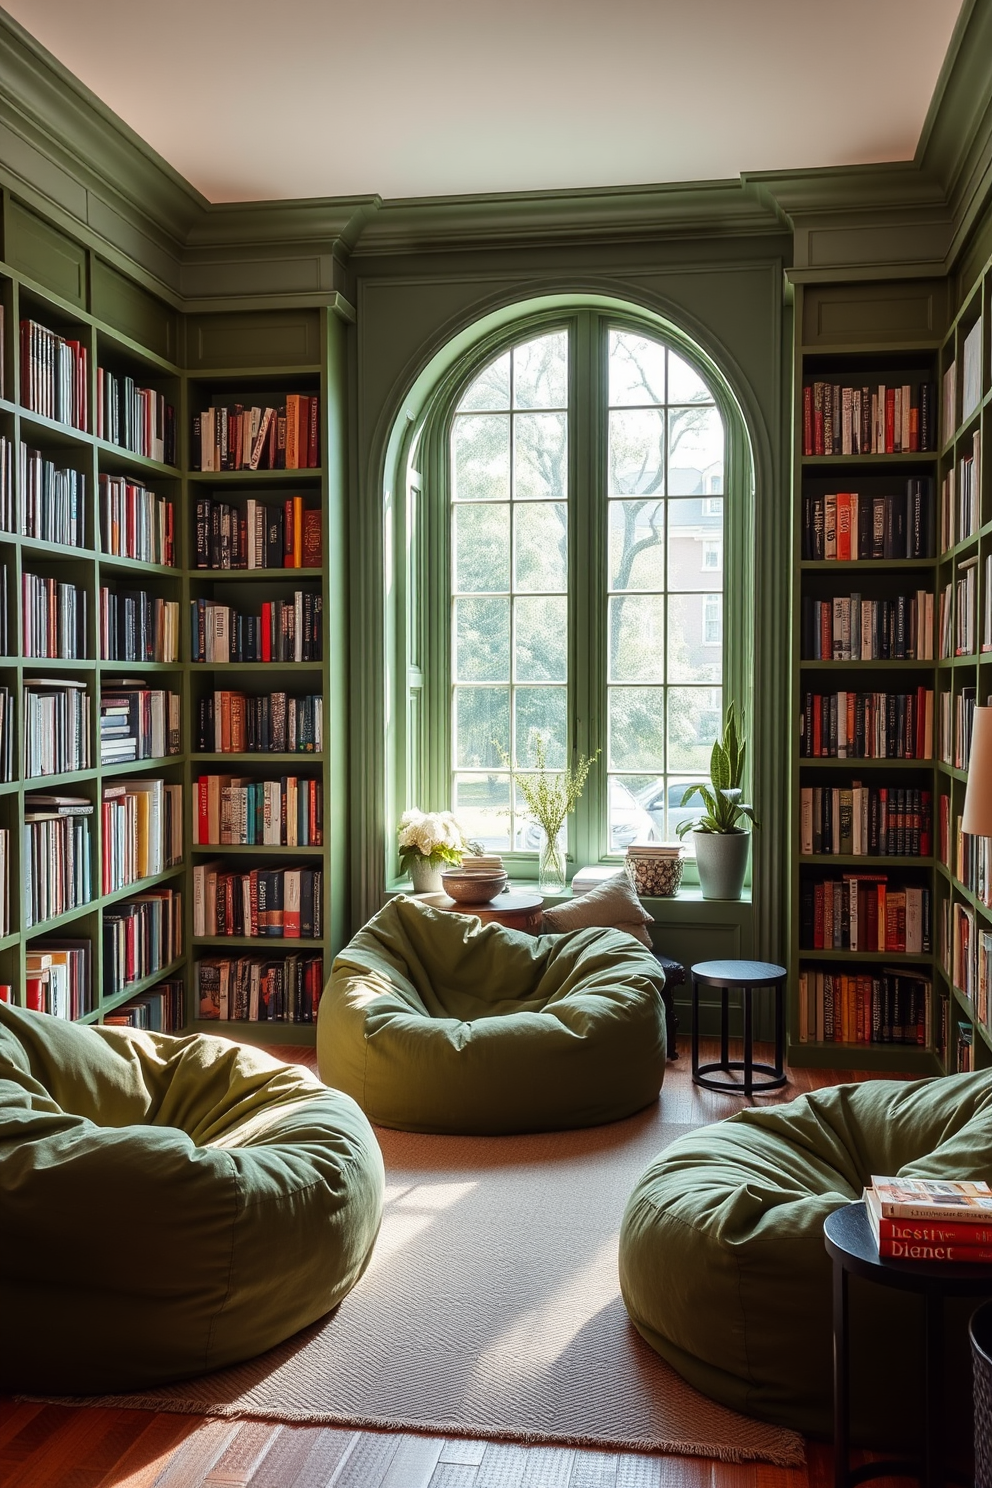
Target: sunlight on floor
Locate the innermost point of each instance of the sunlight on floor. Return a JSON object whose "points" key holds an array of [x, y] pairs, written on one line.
{"points": [[411, 1208]]}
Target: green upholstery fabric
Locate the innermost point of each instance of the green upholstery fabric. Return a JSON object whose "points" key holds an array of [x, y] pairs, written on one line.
{"points": [[436, 1022], [168, 1206], [723, 1267]]}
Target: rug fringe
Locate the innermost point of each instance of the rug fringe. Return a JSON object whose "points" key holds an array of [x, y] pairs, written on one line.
{"points": [[792, 1452]]}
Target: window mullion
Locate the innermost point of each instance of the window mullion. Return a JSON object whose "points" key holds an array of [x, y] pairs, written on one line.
{"points": [[587, 582]]}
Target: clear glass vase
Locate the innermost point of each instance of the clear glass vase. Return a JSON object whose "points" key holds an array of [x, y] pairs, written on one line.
{"points": [[551, 867]]}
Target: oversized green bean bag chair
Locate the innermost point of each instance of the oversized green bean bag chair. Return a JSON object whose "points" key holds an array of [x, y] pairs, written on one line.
{"points": [[723, 1268], [436, 1022], [168, 1206]]}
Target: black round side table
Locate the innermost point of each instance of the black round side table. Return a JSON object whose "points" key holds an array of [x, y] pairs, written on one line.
{"points": [[852, 1248], [749, 977]]}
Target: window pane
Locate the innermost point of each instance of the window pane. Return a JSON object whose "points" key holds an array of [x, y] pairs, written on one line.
{"points": [[637, 728], [662, 800], [491, 389], [481, 457], [528, 836], [695, 649], [540, 540], [637, 544], [629, 821], [482, 548], [540, 711], [637, 638], [482, 640], [540, 450], [637, 452], [541, 639], [691, 551], [540, 372], [482, 721], [685, 385], [637, 369], [695, 452], [694, 719], [482, 806]]}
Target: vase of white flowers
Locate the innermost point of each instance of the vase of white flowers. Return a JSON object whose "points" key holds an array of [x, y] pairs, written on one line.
{"points": [[429, 841]]}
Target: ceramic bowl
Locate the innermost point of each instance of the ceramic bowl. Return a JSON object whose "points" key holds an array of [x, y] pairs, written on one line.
{"points": [[467, 887]]}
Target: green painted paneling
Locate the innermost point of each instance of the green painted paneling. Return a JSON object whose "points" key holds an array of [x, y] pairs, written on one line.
{"points": [[45, 254], [123, 304], [862, 314], [876, 243], [265, 339]]}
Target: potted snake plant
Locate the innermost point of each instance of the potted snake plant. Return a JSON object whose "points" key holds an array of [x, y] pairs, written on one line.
{"points": [[720, 832]]}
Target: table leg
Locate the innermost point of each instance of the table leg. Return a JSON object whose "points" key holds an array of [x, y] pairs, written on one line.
{"points": [[695, 1028], [933, 1401], [841, 1383], [778, 992], [747, 997], [724, 1026]]}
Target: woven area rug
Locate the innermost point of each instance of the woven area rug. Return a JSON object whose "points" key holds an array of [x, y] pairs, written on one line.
{"points": [[492, 1309]]}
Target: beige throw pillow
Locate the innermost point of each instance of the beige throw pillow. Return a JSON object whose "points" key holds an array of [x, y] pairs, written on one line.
{"points": [[612, 905]]}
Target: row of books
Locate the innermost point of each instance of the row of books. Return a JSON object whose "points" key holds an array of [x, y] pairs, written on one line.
{"points": [[960, 946], [135, 418], [960, 498], [159, 1010], [865, 912], [274, 722], [848, 627], [57, 862], [286, 990], [883, 419], [867, 725], [889, 1006], [276, 903], [931, 1219], [58, 977], [54, 377], [233, 437], [56, 726], [866, 821], [4, 624], [6, 733], [280, 534], [957, 711], [53, 499], [845, 525], [956, 622], [141, 937], [964, 1049], [7, 504], [53, 618], [134, 625], [135, 522], [971, 372], [142, 831], [233, 811], [138, 722], [284, 630]]}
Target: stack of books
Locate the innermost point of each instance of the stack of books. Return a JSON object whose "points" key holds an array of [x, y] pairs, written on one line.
{"points": [[926, 1219]]}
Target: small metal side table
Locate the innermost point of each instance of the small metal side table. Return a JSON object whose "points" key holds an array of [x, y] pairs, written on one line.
{"points": [[851, 1246], [749, 977]]}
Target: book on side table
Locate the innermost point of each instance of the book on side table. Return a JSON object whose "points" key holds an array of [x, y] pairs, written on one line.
{"points": [[922, 1219]]}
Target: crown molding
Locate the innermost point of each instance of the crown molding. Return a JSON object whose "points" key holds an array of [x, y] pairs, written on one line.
{"points": [[546, 218]]}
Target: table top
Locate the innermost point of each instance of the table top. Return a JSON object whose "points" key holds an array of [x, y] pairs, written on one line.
{"points": [[849, 1239], [514, 903], [738, 973]]}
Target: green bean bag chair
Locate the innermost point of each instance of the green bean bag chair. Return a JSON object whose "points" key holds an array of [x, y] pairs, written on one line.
{"points": [[723, 1267], [168, 1206], [436, 1022]]}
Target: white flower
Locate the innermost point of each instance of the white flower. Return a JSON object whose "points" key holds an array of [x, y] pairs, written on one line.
{"points": [[431, 834]]}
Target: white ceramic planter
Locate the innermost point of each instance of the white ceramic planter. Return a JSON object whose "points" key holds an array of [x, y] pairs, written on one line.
{"points": [[721, 858]]}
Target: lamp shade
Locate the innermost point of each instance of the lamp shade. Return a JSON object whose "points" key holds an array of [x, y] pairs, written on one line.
{"points": [[977, 817]]}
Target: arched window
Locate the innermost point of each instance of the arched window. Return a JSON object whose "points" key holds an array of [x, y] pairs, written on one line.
{"points": [[570, 502]]}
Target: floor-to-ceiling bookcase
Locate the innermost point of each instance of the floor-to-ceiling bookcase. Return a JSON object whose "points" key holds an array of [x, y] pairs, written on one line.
{"points": [[102, 330]]}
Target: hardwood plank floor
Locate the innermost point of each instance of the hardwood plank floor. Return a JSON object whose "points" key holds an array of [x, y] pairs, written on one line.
{"points": [[51, 1446]]}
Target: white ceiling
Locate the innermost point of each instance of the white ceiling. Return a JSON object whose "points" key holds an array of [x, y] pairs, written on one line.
{"points": [[263, 99]]}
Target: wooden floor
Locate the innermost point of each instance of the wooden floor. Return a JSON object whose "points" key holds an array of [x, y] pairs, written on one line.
{"points": [[48, 1446]]}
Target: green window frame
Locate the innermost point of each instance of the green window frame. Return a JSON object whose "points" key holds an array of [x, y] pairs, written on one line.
{"points": [[420, 568]]}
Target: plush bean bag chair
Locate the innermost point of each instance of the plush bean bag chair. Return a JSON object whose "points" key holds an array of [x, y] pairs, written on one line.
{"points": [[168, 1206], [436, 1022], [723, 1267]]}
